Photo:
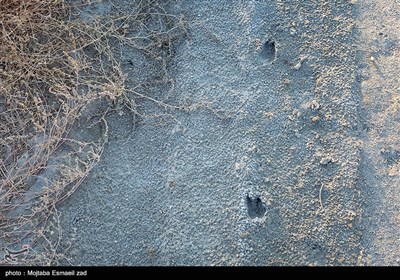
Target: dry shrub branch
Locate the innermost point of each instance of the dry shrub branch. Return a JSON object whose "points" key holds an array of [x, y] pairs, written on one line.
{"points": [[53, 64]]}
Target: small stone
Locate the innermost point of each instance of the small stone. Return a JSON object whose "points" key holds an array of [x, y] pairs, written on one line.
{"points": [[315, 119], [297, 66], [296, 113], [314, 105], [325, 160]]}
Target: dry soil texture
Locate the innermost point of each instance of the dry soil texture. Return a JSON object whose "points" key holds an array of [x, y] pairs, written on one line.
{"points": [[379, 27]]}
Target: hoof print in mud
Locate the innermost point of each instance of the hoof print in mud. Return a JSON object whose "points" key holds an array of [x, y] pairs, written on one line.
{"points": [[255, 207], [269, 50]]}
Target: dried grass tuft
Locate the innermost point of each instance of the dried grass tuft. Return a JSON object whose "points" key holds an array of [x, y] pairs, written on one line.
{"points": [[53, 64]]}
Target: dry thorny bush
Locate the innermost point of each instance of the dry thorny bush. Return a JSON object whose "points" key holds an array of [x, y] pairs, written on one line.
{"points": [[53, 64]]}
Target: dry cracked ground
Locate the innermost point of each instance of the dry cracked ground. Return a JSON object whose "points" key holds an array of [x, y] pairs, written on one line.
{"points": [[287, 151]]}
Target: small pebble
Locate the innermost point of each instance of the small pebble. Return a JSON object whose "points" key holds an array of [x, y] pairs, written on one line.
{"points": [[297, 66], [325, 160], [315, 119]]}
